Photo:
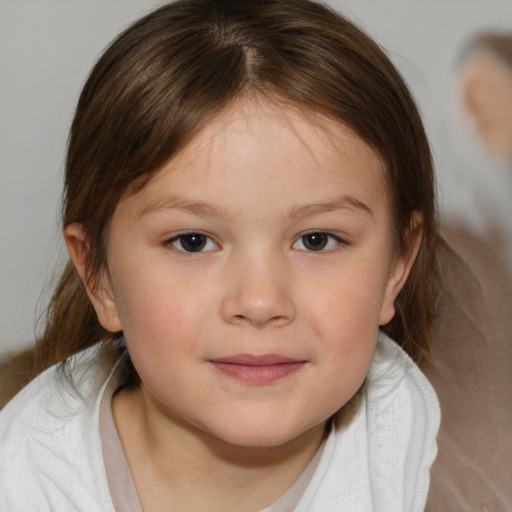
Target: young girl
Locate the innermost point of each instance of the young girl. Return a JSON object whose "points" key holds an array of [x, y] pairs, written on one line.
{"points": [[248, 199]]}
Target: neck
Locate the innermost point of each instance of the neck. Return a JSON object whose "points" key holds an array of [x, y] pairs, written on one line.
{"points": [[176, 466]]}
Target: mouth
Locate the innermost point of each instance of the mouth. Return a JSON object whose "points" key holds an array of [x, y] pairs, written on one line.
{"points": [[257, 369]]}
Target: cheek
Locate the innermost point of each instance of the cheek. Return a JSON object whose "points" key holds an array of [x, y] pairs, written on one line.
{"points": [[345, 318], [341, 371], [160, 325], [154, 304], [349, 302]]}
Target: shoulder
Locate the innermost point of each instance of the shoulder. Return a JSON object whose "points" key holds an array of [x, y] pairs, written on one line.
{"points": [[53, 400], [49, 435], [403, 420], [402, 415], [380, 460], [394, 378]]}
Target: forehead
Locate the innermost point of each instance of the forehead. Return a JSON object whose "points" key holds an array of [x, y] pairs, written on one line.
{"points": [[262, 148]]}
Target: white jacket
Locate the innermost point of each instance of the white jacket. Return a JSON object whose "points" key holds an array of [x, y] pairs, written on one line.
{"points": [[51, 457]]}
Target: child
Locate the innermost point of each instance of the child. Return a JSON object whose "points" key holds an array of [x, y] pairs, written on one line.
{"points": [[248, 198]]}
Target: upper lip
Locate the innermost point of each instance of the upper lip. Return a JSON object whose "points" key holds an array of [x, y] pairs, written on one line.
{"points": [[256, 360]]}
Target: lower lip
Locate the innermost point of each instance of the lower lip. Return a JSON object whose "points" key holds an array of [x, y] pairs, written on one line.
{"points": [[258, 374]]}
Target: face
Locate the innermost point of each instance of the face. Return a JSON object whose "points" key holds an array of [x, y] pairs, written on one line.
{"points": [[250, 276]]}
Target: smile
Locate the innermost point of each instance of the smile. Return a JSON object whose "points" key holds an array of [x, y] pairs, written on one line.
{"points": [[257, 369]]}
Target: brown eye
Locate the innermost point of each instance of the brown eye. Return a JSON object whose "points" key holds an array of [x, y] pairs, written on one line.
{"points": [[317, 241], [192, 242]]}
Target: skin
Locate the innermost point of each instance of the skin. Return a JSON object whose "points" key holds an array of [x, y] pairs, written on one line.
{"points": [[255, 182]]}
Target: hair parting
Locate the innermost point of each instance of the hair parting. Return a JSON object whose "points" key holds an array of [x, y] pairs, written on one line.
{"points": [[170, 73]]}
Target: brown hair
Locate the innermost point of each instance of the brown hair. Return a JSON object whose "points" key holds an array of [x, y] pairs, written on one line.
{"points": [[169, 73]]}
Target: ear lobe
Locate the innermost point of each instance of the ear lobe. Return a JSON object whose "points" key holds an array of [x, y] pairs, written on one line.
{"points": [[98, 288], [400, 269]]}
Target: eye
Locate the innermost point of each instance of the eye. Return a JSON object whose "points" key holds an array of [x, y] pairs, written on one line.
{"points": [[192, 242], [317, 241]]}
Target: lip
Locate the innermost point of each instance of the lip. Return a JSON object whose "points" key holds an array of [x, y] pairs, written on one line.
{"points": [[257, 369]]}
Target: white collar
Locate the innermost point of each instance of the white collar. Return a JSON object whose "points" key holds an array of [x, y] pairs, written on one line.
{"points": [[380, 460]]}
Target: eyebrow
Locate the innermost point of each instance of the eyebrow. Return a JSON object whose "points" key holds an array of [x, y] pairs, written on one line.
{"points": [[198, 208], [344, 202], [203, 209]]}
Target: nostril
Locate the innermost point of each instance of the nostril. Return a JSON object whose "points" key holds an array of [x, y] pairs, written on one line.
{"points": [[257, 309], [253, 320], [280, 320]]}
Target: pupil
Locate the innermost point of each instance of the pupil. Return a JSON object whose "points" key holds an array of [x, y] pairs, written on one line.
{"points": [[315, 241], [193, 242]]}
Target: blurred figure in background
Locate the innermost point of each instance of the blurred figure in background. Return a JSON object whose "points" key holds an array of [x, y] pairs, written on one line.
{"points": [[472, 354]]}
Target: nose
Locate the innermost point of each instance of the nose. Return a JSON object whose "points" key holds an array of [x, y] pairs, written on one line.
{"points": [[257, 294]]}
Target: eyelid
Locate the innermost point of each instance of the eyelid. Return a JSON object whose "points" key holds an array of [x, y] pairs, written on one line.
{"points": [[170, 242], [339, 241]]}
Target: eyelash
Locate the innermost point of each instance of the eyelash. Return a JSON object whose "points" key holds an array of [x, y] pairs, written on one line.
{"points": [[178, 240], [324, 240]]}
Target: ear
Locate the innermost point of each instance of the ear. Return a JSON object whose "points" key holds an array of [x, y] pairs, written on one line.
{"points": [[486, 87], [400, 268], [99, 288]]}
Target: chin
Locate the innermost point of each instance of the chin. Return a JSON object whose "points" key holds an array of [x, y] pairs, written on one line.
{"points": [[265, 435]]}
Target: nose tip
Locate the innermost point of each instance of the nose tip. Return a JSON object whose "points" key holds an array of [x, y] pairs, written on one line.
{"points": [[258, 302]]}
